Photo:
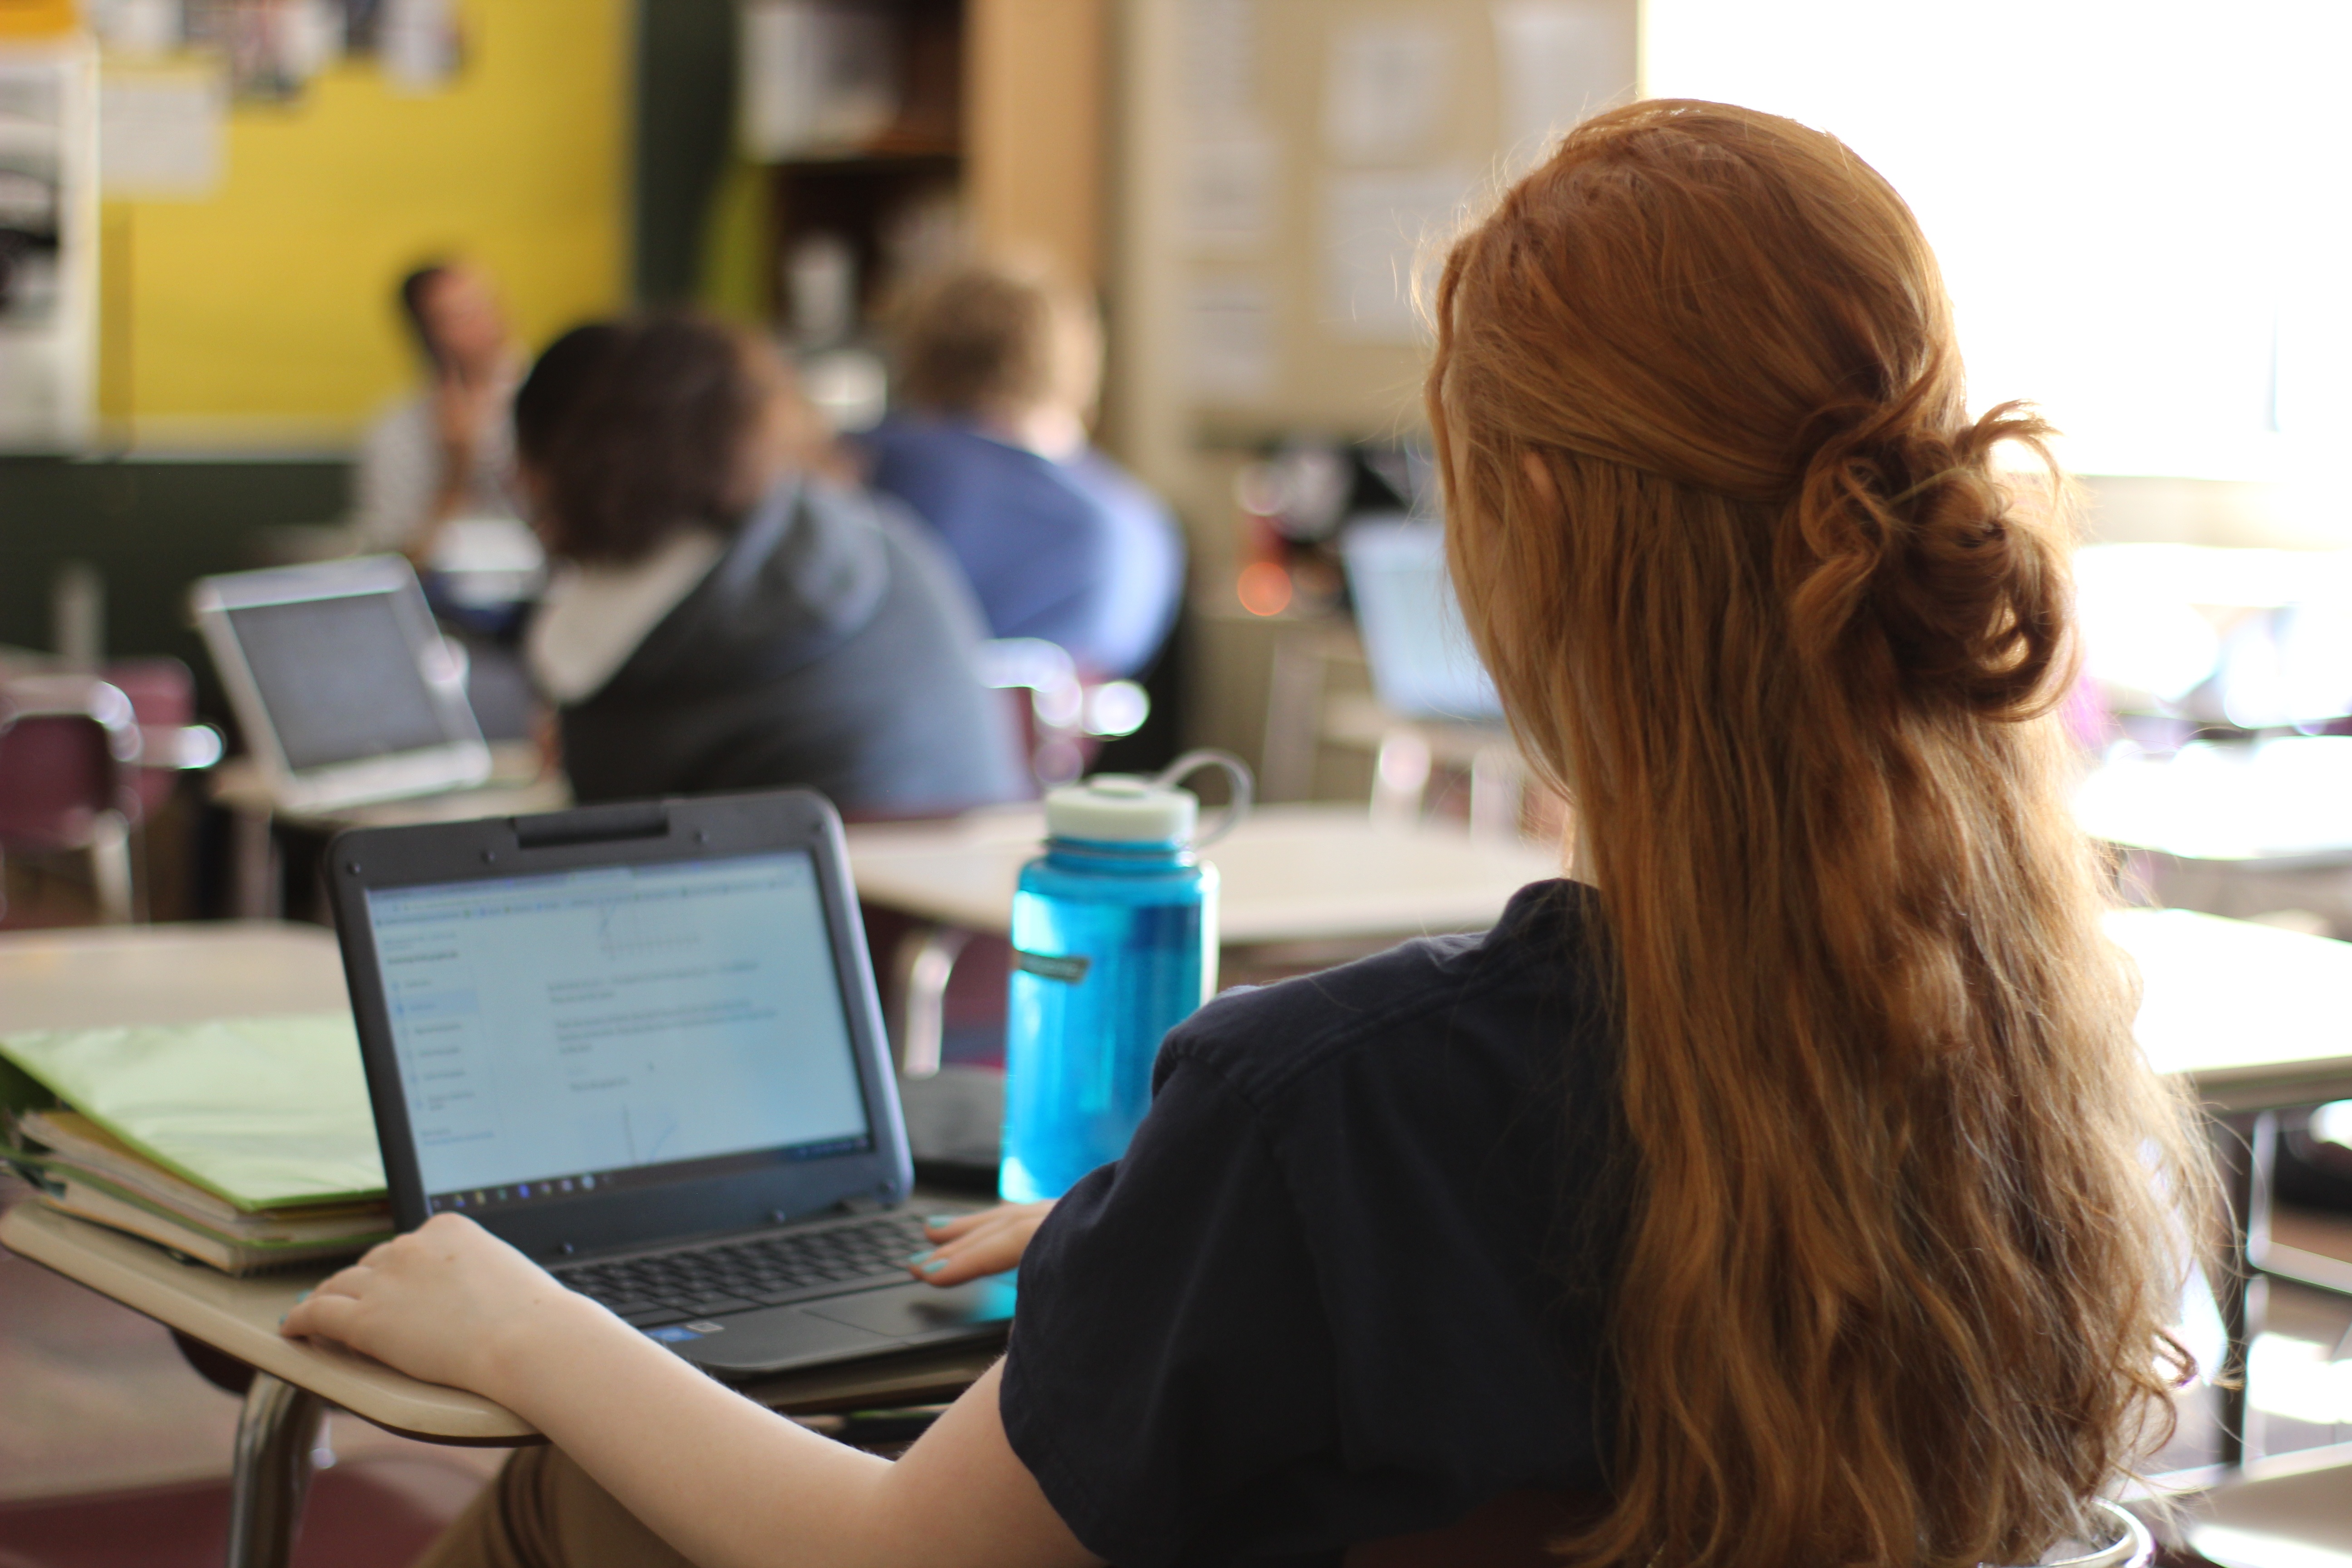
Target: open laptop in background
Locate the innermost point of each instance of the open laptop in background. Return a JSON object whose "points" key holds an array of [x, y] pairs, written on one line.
{"points": [[642, 1043], [1423, 663], [342, 685]]}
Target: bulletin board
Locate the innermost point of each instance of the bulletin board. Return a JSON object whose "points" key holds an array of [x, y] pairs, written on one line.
{"points": [[1324, 151], [259, 314]]}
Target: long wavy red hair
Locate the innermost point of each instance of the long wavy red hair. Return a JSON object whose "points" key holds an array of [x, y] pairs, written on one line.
{"points": [[1895, 1286]]}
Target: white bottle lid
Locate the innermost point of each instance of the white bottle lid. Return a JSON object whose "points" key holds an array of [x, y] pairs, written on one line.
{"points": [[1122, 808]]}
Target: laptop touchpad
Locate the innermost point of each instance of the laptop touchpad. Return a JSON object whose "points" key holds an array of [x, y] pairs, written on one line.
{"points": [[905, 1311]]}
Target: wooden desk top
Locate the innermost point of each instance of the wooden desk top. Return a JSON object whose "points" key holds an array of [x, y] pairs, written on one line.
{"points": [[1290, 873], [516, 788], [96, 977], [2280, 805], [240, 1317], [2255, 1017]]}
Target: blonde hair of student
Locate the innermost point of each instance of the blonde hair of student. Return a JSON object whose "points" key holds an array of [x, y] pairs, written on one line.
{"points": [[1897, 1283], [995, 339]]}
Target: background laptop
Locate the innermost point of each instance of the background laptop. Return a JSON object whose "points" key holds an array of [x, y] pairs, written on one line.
{"points": [[341, 683], [642, 1043], [1423, 663]]}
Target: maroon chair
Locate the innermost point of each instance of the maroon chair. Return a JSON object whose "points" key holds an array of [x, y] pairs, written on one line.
{"points": [[69, 759], [163, 699], [84, 761]]}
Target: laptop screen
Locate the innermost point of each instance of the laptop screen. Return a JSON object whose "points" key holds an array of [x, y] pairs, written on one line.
{"points": [[616, 1027], [339, 677], [1423, 665]]}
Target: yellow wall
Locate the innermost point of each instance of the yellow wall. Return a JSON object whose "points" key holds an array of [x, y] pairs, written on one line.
{"points": [[262, 314]]}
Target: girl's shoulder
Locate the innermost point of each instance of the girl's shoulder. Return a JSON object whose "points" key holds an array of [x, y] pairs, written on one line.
{"points": [[1508, 998]]}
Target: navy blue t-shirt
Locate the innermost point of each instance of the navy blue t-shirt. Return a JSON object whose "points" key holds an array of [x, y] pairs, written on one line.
{"points": [[1349, 1280]]}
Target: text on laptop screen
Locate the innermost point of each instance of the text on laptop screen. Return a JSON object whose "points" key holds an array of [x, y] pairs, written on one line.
{"points": [[616, 1027], [339, 678]]}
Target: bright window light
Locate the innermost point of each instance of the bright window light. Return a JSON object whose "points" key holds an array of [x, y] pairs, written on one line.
{"points": [[2142, 211]]}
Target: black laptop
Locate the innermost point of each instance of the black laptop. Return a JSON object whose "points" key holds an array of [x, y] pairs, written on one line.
{"points": [[642, 1043]]}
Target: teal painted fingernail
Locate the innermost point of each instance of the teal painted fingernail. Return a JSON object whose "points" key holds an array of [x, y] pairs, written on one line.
{"points": [[914, 1259], [938, 1220], [302, 1298], [935, 1265], [282, 1317]]}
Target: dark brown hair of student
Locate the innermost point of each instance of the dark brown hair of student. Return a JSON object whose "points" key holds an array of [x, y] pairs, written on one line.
{"points": [[413, 285], [981, 340], [636, 428], [1894, 1287]]}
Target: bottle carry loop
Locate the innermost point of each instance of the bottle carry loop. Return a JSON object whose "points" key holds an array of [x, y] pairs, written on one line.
{"points": [[1237, 771]]}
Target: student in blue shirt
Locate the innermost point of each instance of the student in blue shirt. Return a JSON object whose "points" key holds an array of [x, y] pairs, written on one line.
{"points": [[996, 376], [1785, 1188]]}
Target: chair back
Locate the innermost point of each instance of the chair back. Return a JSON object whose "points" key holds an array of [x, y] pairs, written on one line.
{"points": [[67, 760], [1064, 718], [2123, 1541], [162, 696]]}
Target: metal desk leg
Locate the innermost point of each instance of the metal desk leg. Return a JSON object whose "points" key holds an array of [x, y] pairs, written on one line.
{"points": [[256, 877], [2244, 1147], [273, 1438], [923, 965]]}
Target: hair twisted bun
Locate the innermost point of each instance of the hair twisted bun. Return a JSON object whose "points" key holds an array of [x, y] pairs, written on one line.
{"points": [[1902, 530], [1895, 1281]]}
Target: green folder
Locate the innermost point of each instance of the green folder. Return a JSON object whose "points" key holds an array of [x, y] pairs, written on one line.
{"points": [[266, 1112]]}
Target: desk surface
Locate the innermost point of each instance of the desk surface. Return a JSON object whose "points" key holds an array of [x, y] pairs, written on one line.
{"points": [[89, 978], [1290, 873], [2254, 1016], [2282, 804], [516, 788], [240, 1317]]}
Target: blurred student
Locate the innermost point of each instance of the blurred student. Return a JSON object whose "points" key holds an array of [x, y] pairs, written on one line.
{"points": [[449, 451], [720, 617], [997, 373]]}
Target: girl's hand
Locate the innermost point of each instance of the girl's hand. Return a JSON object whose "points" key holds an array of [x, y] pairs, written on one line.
{"points": [[449, 1303], [971, 1244]]}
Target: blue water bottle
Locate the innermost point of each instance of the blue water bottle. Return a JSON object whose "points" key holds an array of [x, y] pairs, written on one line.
{"points": [[1113, 943]]}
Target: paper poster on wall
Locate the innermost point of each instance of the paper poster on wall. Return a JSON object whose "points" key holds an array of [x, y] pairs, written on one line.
{"points": [[1376, 229], [1560, 60], [1229, 340], [816, 76], [1220, 60], [1387, 87], [1232, 183], [419, 44], [47, 261], [159, 132]]}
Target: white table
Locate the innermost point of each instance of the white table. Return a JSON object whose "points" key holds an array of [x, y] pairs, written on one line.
{"points": [[2282, 804], [1289, 874], [1316, 879], [520, 786]]}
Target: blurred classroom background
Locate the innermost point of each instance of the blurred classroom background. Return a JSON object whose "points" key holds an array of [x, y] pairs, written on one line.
{"points": [[207, 207]]}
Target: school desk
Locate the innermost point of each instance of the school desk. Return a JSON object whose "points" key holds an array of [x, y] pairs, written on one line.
{"points": [[155, 974], [2254, 1017]]}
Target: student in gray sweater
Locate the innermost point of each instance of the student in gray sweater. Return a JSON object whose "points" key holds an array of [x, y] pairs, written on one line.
{"points": [[722, 616]]}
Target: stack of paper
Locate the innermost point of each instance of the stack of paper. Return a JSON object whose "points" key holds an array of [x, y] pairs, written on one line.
{"points": [[245, 1142]]}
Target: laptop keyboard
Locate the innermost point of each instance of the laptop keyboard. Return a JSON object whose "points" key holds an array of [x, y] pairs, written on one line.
{"points": [[736, 1276]]}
